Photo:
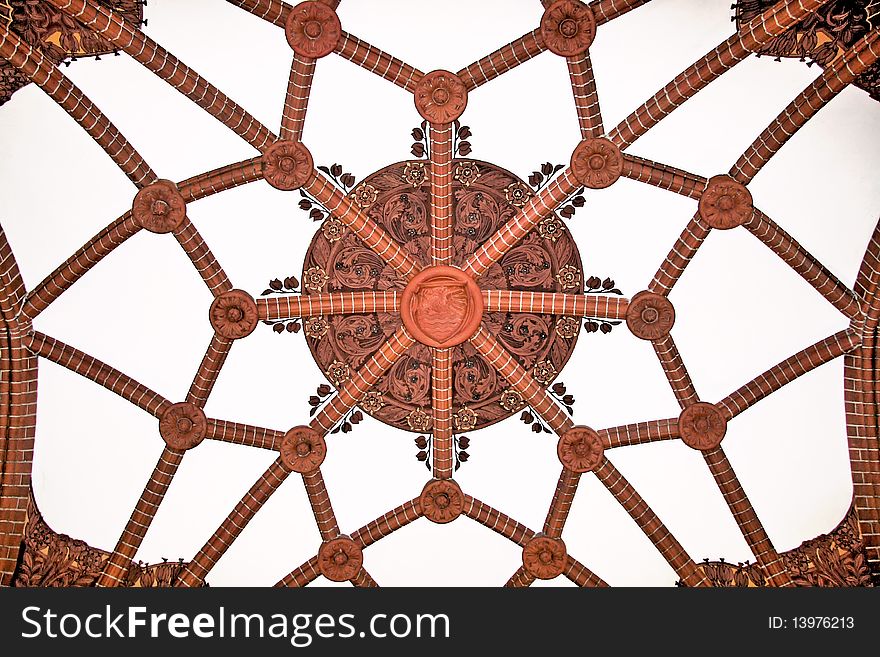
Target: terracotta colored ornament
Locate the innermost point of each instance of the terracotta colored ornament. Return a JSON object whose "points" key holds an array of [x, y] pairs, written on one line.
{"points": [[596, 163], [182, 426], [159, 207], [441, 97], [442, 501], [568, 28], [340, 559], [233, 314], [287, 165], [650, 316], [580, 449], [442, 306], [303, 449], [545, 557], [313, 29], [702, 426], [725, 203]]}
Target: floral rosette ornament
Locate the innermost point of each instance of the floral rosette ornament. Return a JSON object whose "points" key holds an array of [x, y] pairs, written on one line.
{"points": [[233, 314], [313, 29], [440, 97], [597, 163], [159, 207], [287, 165], [442, 501], [725, 203], [340, 559], [545, 557], [568, 28]]}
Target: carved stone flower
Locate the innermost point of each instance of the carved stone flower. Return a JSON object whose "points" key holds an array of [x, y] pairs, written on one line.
{"points": [[545, 557], [364, 195], [313, 29], [569, 277], [315, 327], [465, 419], [182, 426], [511, 401], [596, 163], [419, 421], [702, 426], [650, 316], [442, 501], [372, 401], [517, 194], [568, 327], [568, 28], [340, 559], [725, 203], [551, 228], [338, 372], [414, 173], [314, 279], [440, 97], [333, 229], [159, 207], [580, 449], [287, 165], [303, 449], [544, 372], [466, 173], [233, 314]]}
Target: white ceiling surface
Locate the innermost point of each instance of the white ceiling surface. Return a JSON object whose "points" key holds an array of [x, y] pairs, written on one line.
{"points": [[143, 309]]}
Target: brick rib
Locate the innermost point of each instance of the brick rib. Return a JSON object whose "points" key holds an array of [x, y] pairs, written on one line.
{"points": [[441, 404], [675, 371], [302, 576], [336, 303], [319, 499], [296, 103], [388, 523], [441, 193], [363, 580], [219, 180], [679, 257], [504, 59], [586, 98], [209, 369], [607, 10], [556, 303], [581, 575], [663, 176], [522, 578], [560, 507], [273, 11], [497, 521], [202, 258], [639, 433], [376, 61], [243, 434]]}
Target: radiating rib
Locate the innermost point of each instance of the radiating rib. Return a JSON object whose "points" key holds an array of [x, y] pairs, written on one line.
{"points": [[354, 389], [663, 176], [675, 371], [598, 306], [670, 549], [566, 488], [202, 258], [302, 71], [441, 404], [72, 269], [799, 259], [834, 79], [97, 371], [639, 433], [141, 519], [522, 578], [502, 60], [321, 507], [773, 22], [388, 523], [334, 303], [219, 180], [32, 64], [196, 570], [498, 358], [581, 575], [368, 231], [497, 521], [273, 11], [302, 576], [607, 10], [509, 235], [363, 580], [441, 193], [133, 42], [586, 98], [679, 257], [746, 518], [381, 63], [209, 368], [244, 434], [787, 371]]}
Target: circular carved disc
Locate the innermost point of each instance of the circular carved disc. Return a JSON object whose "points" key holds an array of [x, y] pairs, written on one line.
{"points": [[340, 559], [596, 163], [159, 207], [313, 29], [568, 28], [441, 306], [287, 165], [182, 426], [650, 316], [702, 426], [484, 198], [442, 501], [233, 314], [441, 97], [580, 449], [725, 203], [545, 557], [303, 449]]}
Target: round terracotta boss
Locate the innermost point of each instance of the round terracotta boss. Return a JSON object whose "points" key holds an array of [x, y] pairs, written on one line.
{"points": [[545, 557], [568, 28], [182, 426], [340, 559], [650, 316], [159, 207], [580, 449], [441, 97], [287, 165], [313, 29], [725, 203], [597, 163], [442, 501], [303, 449], [233, 314], [702, 426], [441, 306]]}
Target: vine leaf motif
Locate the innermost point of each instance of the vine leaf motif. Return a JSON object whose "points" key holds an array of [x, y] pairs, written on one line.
{"points": [[421, 146], [323, 394], [290, 285], [425, 445], [461, 135], [539, 179], [344, 180]]}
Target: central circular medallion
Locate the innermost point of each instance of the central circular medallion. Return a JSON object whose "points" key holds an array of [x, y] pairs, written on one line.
{"points": [[441, 306]]}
